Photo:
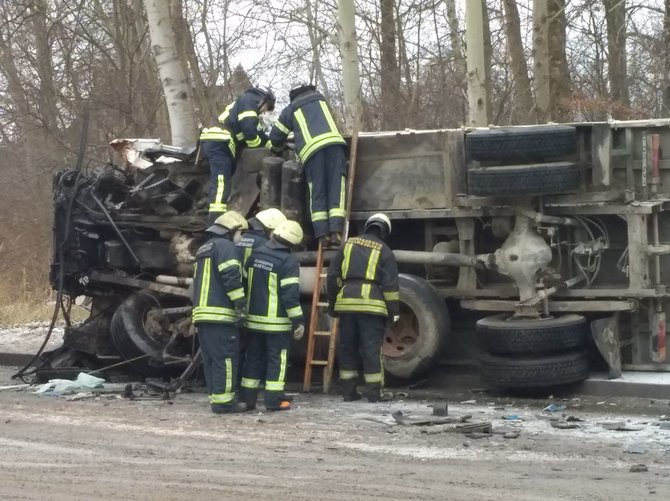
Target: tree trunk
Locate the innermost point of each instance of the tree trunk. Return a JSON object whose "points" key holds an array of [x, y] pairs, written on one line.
{"points": [[474, 36], [559, 71], [522, 97], [350, 72], [488, 58], [541, 61], [458, 57], [47, 96], [171, 71], [615, 15], [666, 76], [390, 73]]}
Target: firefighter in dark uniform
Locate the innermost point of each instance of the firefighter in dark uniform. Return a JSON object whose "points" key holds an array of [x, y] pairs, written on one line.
{"points": [[320, 148], [223, 145], [363, 293], [219, 308], [261, 227], [273, 305]]}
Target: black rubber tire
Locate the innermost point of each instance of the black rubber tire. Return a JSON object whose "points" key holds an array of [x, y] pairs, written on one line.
{"points": [[533, 179], [130, 337], [431, 320], [501, 335], [523, 373], [522, 144]]}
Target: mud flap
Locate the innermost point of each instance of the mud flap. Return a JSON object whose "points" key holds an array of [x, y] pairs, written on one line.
{"points": [[605, 332]]}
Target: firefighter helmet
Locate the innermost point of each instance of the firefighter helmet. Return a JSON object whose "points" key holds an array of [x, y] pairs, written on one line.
{"points": [[271, 218], [269, 98], [380, 220], [289, 232], [298, 89], [228, 221]]}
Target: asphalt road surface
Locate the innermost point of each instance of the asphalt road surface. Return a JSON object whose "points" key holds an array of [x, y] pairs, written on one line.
{"points": [[113, 448]]}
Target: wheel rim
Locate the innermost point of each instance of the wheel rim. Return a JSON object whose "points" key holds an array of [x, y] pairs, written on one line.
{"points": [[401, 338]]}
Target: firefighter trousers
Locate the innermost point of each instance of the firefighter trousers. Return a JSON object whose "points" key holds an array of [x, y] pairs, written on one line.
{"points": [[221, 169], [265, 360], [360, 343], [326, 179], [219, 345]]}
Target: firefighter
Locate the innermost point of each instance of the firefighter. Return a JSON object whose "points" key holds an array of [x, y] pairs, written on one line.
{"points": [[219, 309], [320, 148], [363, 293], [223, 145], [261, 227], [273, 303]]}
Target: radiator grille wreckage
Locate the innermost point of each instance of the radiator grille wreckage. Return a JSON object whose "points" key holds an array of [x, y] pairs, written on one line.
{"points": [[545, 234]]}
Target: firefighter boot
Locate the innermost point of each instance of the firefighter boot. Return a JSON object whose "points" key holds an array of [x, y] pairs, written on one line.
{"points": [[335, 239], [249, 397], [374, 393], [233, 408], [348, 390]]}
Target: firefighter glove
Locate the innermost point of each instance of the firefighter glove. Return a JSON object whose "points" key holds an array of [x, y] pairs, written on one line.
{"points": [[277, 151], [298, 332], [241, 310]]}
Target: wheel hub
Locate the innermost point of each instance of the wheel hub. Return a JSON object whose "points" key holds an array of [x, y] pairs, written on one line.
{"points": [[401, 337]]}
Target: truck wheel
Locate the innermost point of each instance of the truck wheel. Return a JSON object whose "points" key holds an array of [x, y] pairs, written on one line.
{"points": [[524, 144], [501, 372], [503, 335], [413, 345], [533, 179], [133, 335]]}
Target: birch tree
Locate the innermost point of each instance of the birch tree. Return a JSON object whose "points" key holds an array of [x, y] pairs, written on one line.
{"points": [[474, 33], [176, 89], [351, 78]]}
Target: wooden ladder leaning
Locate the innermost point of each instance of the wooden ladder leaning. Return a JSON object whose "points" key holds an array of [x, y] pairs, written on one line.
{"points": [[319, 300]]}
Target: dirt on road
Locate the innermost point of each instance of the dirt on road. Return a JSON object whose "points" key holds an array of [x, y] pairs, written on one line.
{"points": [[113, 448]]}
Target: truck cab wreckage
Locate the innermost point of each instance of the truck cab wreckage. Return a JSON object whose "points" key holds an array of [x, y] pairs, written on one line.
{"points": [[539, 243]]}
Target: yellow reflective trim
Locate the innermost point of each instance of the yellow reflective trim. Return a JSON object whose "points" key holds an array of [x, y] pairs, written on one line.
{"points": [[282, 127], [254, 143], [302, 124], [296, 311], [269, 320], [247, 114], [373, 378], [247, 253], [250, 283], [204, 286], [252, 384], [347, 258], [372, 265], [309, 187], [274, 386], [319, 216], [229, 375], [344, 374], [319, 142], [215, 134], [272, 295], [216, 310], [267, 327], [336, 213], [236, 294], [282, 368], [342, 192], [365, 291], [392, 296], [239, 136], [228, 264], [221, 398], [268, 144], [223, 116], [220, 187], [289, 281], [218, 207], [329, 117]]}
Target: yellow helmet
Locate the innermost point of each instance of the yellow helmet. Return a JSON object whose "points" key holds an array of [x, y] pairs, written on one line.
{"points": [[228, 221], [271, 218], [290, 232]]}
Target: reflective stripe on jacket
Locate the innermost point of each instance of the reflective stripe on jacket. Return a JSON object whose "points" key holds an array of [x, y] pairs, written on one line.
{"points": [[217, 282], [273, 297], [251, 240], [363, 277], [310, 119]]}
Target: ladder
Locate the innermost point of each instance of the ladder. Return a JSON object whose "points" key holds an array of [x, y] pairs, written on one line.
{"points": [[320, 302]]}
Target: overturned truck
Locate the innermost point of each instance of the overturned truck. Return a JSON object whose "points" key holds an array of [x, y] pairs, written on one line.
{"points": [[534, 253]]}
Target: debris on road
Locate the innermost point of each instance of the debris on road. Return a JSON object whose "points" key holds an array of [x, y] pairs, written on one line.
{"points": [[404, 420], [14, 387], [441, 409], [58, 387], [563, 425], [639, 468], [619, 426], [554, 408], [635, 449]]}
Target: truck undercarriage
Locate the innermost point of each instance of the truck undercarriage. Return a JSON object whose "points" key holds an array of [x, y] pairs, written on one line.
{"points": [[560, 232]]}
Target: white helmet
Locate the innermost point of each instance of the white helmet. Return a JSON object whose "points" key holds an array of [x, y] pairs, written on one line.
{"points": [[271, 218], [290, 232], [228, 221], [380, 220]]}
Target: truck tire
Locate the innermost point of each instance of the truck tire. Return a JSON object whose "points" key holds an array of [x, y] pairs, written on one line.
{"points": [[130, 336], [521, 373], [502, 335], [533, 179], [413, 345], [522, 144]]}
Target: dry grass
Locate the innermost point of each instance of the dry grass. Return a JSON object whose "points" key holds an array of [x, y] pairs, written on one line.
{"points": [[24, 300]]}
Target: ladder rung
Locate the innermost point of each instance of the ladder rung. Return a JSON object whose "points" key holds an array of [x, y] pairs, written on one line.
{"points": [[322, 304], [320, 362], [322, 333], [323, 275]]}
